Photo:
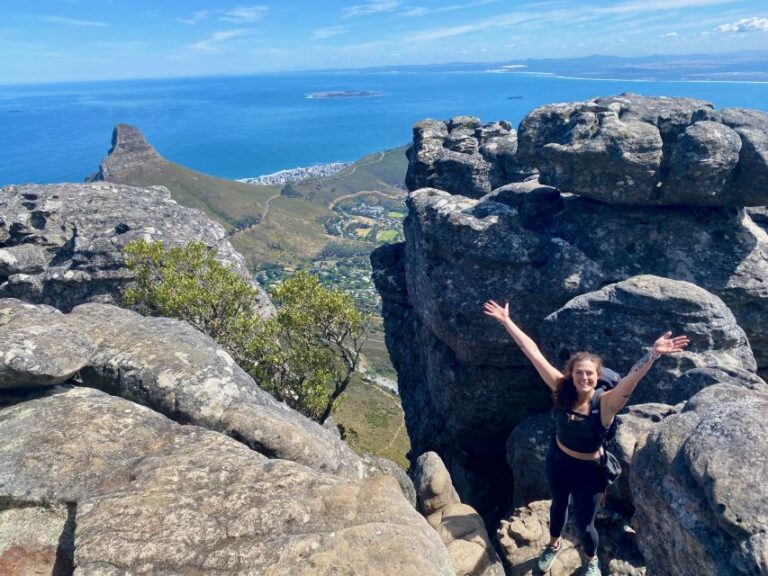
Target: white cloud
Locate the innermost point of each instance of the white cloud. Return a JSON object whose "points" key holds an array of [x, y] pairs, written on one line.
{"points": [[753, 24], [245, 14], [73, 22], [415, 12], [327, 32], [210, 44], [653, 5], [420, 11], [371, 7], [670, 35], [501, 21], [195, 18]]}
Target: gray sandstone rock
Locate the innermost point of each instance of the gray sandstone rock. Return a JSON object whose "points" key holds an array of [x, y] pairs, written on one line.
{"points": [[166, 365], [634, 425], [38, 347], [376, 465], [36, 539], [527, 449], [460, 527], [721, 250], [62, 243], [464, 384], [638, 150], [462, 156], [698, 486], [432, 481], [151, 496], [702, 162], [624, 319], [750, 177], [465, 412], [22, 259], [524, 533]]}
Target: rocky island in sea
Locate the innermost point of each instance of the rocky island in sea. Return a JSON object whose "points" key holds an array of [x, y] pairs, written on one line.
{"points": [[342, 94]]}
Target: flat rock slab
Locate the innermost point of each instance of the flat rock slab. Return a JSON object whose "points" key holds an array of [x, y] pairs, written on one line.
{"points": [[639, 150], [62, 244], [153, 497], [698, 484]]}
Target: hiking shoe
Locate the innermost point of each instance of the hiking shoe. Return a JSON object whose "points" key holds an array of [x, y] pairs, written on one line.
{"points": [[593, 568], [548, 556]]}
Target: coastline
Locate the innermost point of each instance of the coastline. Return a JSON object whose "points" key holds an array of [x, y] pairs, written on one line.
{"points": [[297, 174]]}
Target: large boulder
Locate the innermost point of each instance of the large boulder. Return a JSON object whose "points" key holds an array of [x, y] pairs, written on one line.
{"points": [[37, 347], [625, 318], [632, 149], [460, 527], [62, 244], [464, 383], [698, 484], [463, 156], [527, 449], [169, 366], [148, 495]]}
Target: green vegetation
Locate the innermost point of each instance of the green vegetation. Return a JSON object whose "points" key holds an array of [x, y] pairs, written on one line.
{"points": [[323, 332], [304, 355], [306, 226], [383, 171], [233, 204], [372, 421], [386, 236]]}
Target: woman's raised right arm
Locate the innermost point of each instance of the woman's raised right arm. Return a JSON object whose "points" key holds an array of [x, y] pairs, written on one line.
{"points": [[548, 373]]}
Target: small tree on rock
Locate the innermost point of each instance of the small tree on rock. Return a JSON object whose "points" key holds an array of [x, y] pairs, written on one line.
{"points": [[323, 331], [304, 355]]}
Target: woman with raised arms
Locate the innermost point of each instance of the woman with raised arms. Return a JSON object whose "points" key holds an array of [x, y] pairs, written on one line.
{"points": [[573, 460]]}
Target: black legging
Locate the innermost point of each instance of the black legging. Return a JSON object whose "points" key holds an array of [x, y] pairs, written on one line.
{"points": [[584, 481]]}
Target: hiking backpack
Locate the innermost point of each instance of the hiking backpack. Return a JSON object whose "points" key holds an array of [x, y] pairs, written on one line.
{"points": [[607, 381]]}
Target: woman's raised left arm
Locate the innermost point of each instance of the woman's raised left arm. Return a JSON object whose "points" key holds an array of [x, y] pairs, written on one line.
{"points": [[614, 400]]}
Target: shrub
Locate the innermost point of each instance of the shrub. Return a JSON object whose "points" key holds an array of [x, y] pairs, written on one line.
{"points": [[305, 354]]}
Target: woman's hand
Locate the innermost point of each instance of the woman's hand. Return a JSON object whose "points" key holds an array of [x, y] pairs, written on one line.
{"points": [[666, 344], [493, 310]]}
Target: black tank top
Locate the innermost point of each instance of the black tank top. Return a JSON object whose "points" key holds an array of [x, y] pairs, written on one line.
{"points": [[577, 431]]}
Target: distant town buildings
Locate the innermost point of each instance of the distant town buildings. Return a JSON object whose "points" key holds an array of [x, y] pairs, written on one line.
{"points": [[297, 174]]}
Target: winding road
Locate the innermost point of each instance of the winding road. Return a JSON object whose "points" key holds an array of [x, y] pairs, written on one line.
{"points": [[332, 204]]}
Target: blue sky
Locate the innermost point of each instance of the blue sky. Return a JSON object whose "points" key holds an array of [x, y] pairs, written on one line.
{"points": [[61, 40]]}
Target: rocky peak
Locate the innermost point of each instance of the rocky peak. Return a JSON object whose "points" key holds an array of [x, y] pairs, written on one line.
{"points": [[636, 224], [129, 150]]}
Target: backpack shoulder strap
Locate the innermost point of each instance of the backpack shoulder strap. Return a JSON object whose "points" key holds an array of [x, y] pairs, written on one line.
{"points": [[594, 413]]}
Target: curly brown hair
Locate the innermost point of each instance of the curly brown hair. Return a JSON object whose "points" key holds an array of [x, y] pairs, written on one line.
{"points": [[564, 395]]}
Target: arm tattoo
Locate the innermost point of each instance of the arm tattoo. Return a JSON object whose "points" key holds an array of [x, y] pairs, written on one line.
{"points": [[642, 362]]}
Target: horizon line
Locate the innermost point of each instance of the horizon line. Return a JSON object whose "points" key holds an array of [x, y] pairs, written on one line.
{"points": [[400, 66]]}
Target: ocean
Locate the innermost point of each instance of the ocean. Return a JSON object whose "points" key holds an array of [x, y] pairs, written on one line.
{"points": [[240, 127]]}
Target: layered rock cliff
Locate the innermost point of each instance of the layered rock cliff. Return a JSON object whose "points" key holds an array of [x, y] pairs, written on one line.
{"points": [[636, 224]]}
